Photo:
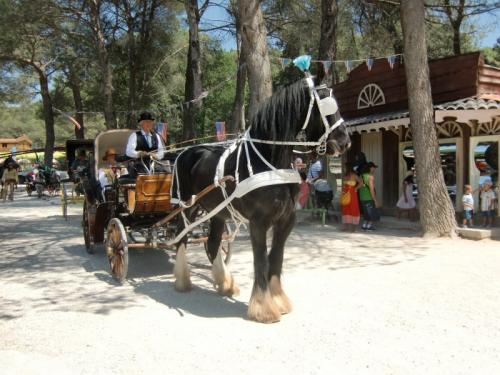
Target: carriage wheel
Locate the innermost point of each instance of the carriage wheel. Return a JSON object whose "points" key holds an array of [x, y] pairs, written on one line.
{"points": [[89, 246], [117, 249], [225, 246]]}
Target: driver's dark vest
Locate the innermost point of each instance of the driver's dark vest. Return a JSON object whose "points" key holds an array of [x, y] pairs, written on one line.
{"points": [[142, 144]]}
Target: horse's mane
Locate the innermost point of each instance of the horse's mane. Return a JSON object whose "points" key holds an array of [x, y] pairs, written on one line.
{"points": [[277, 118]]}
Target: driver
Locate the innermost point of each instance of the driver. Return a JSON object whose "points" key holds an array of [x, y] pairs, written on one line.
{"points": [[80, 163], [78, 167], [143, 142]]}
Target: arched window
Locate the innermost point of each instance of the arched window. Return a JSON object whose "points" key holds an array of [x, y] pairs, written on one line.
{"points": [[371, 96]]}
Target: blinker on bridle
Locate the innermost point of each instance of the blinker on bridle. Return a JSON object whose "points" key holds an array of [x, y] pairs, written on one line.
{"points": [[326, 106]]}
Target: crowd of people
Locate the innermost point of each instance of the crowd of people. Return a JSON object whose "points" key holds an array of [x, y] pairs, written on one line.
{"points": [[487, 204], [359, 203], [358, 197]]}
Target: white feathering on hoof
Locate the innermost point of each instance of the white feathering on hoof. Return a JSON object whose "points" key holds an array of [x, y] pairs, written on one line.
{"points": [[181, 270], [262, 308], [279, 297], [223, 280]]}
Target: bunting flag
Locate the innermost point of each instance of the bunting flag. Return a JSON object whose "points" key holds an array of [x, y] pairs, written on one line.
{"points": [[369, 63], [391, 60], [327, 65], [73, 121], [162, 129], [220, 130], [285, 62], [348, 65]]}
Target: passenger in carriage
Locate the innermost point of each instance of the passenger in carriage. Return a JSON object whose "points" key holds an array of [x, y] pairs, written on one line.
{"points": [[142, 143], [109, 173]]}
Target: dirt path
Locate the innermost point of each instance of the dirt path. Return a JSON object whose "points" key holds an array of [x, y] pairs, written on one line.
{"points": [[381, 303]]}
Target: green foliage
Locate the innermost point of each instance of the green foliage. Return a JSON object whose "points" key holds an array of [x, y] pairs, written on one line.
{"points": [[492, 55], [61, 39]]}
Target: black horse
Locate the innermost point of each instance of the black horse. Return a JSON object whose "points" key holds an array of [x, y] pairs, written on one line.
{"points": [[280, 118]]}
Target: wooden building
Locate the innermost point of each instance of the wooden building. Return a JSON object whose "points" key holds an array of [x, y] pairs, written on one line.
{"points": [[466, 98], [21, 143]]}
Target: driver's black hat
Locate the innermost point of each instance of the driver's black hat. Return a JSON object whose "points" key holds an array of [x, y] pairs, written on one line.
{"points": [[145, 116]]}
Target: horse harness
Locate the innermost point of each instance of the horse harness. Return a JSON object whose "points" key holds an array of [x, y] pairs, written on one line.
{"points": [[326, 106]]}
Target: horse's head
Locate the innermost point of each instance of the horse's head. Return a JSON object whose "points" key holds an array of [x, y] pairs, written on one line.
{"points": [[325, 124]]}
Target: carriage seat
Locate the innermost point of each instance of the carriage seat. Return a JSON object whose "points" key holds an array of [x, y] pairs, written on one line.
{"points": [[151, 194]]}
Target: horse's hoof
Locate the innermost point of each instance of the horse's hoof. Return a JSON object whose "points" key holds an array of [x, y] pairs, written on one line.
{"points": [[182, 286], [227, 287], [262, 307], [278, 295], [228, 291]]}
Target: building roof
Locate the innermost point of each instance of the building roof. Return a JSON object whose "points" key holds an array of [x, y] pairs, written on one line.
{"points": [[483, 101], [480, 102], [23, 137]]}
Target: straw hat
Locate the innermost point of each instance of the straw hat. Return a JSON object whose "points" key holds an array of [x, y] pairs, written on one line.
{"points": [[109, 152]]}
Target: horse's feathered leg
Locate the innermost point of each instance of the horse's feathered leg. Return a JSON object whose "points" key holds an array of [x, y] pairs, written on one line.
{"points": [[223, 280], [261, 308], [181, 269], [281, 231]]}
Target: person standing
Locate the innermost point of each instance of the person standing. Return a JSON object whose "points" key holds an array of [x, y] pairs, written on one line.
{"points": [[406, 202], [368, 197], [487, 204], [349, 199], [144, 144], [468, 206], [9, 180]]}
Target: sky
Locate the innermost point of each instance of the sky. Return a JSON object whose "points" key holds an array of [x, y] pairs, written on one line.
{"points": [[215, 16]]}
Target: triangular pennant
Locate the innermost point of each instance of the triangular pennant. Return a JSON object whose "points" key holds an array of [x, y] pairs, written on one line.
{"points": [[391, 60], [369, 63], [348, 65], [327, 65]]}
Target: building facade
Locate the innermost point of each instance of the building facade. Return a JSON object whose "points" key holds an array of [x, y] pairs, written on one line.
{"points": [[21, 143], [466, 99]]}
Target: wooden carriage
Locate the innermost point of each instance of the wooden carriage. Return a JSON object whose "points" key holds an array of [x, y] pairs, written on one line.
{"points": [[133, 213]]}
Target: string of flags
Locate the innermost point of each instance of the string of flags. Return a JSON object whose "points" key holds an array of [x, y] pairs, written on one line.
{"points": [[348, 64]]}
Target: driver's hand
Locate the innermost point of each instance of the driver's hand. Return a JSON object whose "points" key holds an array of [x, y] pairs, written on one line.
{"points": [[154, 155], [142, 154]]}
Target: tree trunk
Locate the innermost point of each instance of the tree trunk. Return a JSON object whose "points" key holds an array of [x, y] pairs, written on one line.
{"points": [[193, 86], [254, 43], [132, 64], [74, 84], [436, 211], [48, 116], [238, 114], [104, 65], [143, 75], [457, 50], [328, 39]]}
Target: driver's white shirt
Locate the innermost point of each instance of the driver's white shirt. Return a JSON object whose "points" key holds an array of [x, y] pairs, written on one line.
{"points": [[132, 144]]}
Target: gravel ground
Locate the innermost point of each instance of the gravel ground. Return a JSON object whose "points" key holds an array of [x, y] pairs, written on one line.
{"points": [[381, 303]]}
